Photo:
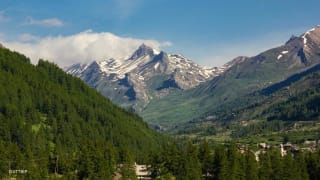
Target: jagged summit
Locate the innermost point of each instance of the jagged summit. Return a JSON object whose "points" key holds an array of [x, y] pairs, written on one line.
{"points": [[143, 50]]}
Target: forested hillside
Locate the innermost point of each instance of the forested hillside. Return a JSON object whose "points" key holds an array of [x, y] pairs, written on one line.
{"points": [[52, 123]]}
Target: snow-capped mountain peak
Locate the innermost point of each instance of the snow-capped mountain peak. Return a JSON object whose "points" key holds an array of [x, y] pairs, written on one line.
{"points": [[118, 67], [140, 61], [145, 74]]}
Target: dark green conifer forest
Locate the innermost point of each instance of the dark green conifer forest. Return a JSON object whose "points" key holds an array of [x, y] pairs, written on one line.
{"points": [[52, 123], [226, 162]]}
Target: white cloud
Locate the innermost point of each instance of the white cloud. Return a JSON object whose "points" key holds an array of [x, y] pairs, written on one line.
{"points": [[82, 47], [51, 22]]}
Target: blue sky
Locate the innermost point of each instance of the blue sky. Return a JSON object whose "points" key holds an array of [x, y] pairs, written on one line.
{"points": [[210, 32]]}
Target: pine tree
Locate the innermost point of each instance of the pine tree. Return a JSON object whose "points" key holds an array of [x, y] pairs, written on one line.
{"points": [[276, 164], [205, 158], [251, 166], [313, 165], [127, 170], [235, 164], [220, 169], [171, 157], [192, 166], [301, 167], [265, 167], [289, 169]]}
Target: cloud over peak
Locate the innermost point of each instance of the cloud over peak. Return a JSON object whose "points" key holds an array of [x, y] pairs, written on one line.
{"points": [[82, 47]]}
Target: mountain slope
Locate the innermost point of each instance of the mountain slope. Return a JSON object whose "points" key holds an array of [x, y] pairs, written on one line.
{"points": [[48, 117], [241, 79], [147, 74], [295, 99], [289, 109]]}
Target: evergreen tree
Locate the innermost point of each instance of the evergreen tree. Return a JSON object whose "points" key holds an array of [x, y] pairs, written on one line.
{"points": [[276, 164], [220, 164], [190, 167], [171, 157], [251, 166], [301, 166], [235, 164], [265, 166], [289, 169], [205, 158], [127, 170], [313, 165]]}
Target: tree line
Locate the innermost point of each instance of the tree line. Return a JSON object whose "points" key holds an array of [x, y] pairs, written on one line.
{"points": [[226, 162]]}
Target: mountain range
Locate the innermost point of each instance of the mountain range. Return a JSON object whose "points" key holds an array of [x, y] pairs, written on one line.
{"points": [[147, 74], [171, 90]]}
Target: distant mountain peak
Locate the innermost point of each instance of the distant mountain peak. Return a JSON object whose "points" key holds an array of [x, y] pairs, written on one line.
{"points": [[143, 50]]}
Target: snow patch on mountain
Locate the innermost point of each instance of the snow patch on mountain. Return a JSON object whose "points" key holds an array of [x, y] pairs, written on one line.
{"points": [[304, 37], [156, 66], [281, 54]]}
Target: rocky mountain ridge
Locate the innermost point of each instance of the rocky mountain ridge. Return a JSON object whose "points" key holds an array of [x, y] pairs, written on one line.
{"points": [[145, 75]]}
